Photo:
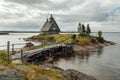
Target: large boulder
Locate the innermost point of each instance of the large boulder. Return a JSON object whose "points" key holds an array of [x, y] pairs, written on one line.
{"points": [[11, 74], [29, 44], [71, 74]]}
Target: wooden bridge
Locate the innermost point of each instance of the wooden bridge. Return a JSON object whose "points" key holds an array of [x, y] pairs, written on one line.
{"points": [[41, 54]]}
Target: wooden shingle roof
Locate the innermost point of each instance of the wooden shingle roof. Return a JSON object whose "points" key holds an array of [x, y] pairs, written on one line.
{"points": [[48, 24]]}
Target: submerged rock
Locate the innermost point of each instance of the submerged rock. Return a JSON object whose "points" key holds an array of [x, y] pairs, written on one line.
{"points": [[29, 44], [71, 74], [11, 74], [50, 66]]}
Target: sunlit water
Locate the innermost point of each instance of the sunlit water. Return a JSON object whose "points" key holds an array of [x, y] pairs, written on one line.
{"points": [[103, 64], [15, 38]]}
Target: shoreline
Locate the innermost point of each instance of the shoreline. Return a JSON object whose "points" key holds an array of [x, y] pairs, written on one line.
{"points": [[91, 47], [69, 73], [77, 48]]}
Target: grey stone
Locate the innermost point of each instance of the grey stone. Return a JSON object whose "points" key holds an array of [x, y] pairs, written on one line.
{"points": [[71, 74], [25, 68], [51, 66], [11, 74]]}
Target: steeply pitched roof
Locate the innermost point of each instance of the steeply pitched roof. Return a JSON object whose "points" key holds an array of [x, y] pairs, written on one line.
{"points": [[48, 24]]}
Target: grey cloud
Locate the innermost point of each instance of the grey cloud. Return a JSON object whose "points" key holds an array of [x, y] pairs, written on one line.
{"points": [[87, 9], [48, 5], [26, 25], [11, 16], [67, 12], [28, 2]]}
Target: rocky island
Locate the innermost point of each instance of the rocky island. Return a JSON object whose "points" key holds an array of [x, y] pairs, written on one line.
{"points": [[48, 71], [36, 69], [79, 42]]}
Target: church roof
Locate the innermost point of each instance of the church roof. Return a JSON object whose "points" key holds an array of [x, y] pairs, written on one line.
{"points": [[48, 24]]}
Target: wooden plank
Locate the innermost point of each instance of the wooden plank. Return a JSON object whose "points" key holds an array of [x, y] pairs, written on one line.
{"points": [[8, 50], [38, 51]]}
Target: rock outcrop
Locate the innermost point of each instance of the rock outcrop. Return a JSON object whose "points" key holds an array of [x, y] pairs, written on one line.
{"points": [[91, 47], [71, 74], [11, 74]]}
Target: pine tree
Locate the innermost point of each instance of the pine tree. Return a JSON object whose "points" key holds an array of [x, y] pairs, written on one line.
{"points": [[83, 28], [99, 34], [79, 27], [88, 30]]}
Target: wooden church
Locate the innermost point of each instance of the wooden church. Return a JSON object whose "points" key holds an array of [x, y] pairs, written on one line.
{"points": [[50, 26]]}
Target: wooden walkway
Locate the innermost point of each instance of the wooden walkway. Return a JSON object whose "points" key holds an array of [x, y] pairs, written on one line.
{"points": [[40, 54], [38, 51]]}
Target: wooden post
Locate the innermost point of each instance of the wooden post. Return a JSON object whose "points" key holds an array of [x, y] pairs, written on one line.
{"points": [[21, 55], [49, 54], [62, 49], [8, 50], [49, 51], [65, 50]]}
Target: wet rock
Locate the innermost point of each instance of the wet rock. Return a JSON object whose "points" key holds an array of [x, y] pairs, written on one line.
{"points": [[71, 74], [58, 68], [111, 43], [29, 44], [11, 74], [50, 66]]}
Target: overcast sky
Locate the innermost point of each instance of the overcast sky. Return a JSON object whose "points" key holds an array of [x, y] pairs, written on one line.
{"points": [[31, 14]]}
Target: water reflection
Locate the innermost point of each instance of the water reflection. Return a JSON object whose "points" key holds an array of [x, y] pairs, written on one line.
{"points": [[67, 57], [98, 63], [78, 58], [80, 55], [100, 51]]}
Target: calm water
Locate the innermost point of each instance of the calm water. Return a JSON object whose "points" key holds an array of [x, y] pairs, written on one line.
{"points": [[14, 39], [103, 64]]}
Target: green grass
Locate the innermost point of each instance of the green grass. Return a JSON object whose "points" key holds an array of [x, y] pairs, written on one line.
{"points": [[67, 39], [3, 58], [39, 73], [42, 36]]}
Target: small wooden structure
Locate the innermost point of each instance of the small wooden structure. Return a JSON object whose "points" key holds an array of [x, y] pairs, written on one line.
{"points": [[50, 27], [51, 51]]}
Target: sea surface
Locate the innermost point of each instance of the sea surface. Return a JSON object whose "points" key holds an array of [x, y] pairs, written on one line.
{"points": [[103, 64], [15, 38]]}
